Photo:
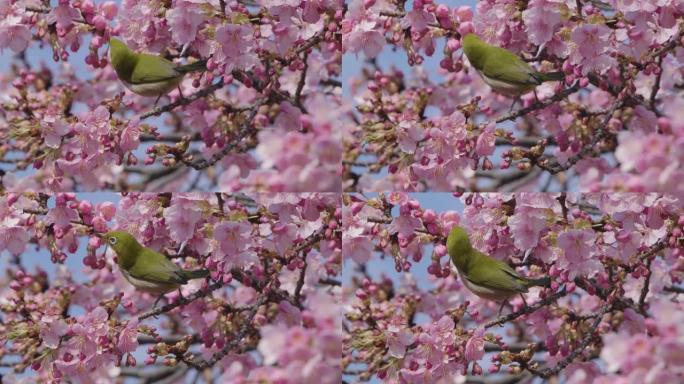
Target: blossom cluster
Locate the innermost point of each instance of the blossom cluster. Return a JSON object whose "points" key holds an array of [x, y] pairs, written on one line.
{"points": [[258, 114], [439, 127], [268, 309], [615, 261]]}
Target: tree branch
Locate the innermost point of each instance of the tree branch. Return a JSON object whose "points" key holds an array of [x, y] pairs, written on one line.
{"points": [[548, 372], [540, 105], [528, 309], [183, 101], [182, 301]]}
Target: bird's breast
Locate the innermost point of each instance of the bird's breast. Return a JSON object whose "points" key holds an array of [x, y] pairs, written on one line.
{"points": [[148, 286], [154, 89], [504, 88], [488, 293]]}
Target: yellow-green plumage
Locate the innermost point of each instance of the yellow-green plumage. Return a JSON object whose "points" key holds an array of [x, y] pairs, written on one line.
{"points": [[146, 74], [484, 275], [504, 71], [146, 269]]}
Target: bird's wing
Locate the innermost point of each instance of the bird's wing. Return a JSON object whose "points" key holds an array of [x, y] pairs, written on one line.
{"points": [[490, 275], [153, 69], [515, 71], [156, 268]]}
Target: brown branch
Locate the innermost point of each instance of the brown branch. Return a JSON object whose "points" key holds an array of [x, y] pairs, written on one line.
{"points": [[379, 220], [300, 284], [302, 81], [644, 290], [245, 129], [554, 167], [183, 101], [540, 105], [329, 281], [674, 289], [527, 309], [656, 87], [237, 339], [548, 372], [182, 301]]}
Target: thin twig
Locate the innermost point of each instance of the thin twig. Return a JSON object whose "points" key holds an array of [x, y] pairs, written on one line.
{"points": [[182, 301], [548, 372], [528, 309], [540, 105], [183, 101], [644, 290]]}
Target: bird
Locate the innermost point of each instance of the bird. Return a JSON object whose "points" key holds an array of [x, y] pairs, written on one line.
{"points": [[148, 270], [147, 74], [484, 275], [504, 71]]}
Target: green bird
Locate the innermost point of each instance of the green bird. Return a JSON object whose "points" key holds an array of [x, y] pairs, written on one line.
{"points": [[146, 74], [148, 270], [484, 275], [504, 71]]}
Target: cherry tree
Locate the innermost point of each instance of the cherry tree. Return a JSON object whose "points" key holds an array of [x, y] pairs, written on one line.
{"points": [[268, 311], [614, 123], [613, 312], [265, 115]]}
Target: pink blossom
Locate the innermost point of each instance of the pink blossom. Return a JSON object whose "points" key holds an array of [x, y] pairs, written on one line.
{"points": [[541, 20], [61, 216], [578, 248], [474, 349], [181, 220], [358, 248], [53, 129], [486, 141], [63, 15], [128, 338], [52, 330], [398, 338], [235, 46], [404, 225], [233, 240], [418, 20], [364, 37], [13, 237], [130, 136], [592, 45], [13, 34], [184, 21]]}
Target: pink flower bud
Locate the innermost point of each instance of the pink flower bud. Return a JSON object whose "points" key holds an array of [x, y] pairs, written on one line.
{"points": [[464, 13], [109, 9]]}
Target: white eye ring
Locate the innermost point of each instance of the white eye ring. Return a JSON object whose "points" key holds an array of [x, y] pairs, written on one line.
{"points": [[112, 240]]}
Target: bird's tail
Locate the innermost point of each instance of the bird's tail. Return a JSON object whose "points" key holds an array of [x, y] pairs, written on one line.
{"points": [[550, 76], [542, 282], [199, 65], [196, 274]]}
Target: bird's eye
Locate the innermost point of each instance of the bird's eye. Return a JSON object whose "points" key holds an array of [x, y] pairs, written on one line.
{"points": [[112, 240]]}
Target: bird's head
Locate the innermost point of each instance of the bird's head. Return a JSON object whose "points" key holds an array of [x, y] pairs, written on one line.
{"points": [[117, 46], [458, 244], [122, 58], [474, 48], [123, 243]]}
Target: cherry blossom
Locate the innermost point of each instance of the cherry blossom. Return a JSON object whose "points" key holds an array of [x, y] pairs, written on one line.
{"points": [[75, 317], [611, 312], [270, 80], [425, 121]]}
